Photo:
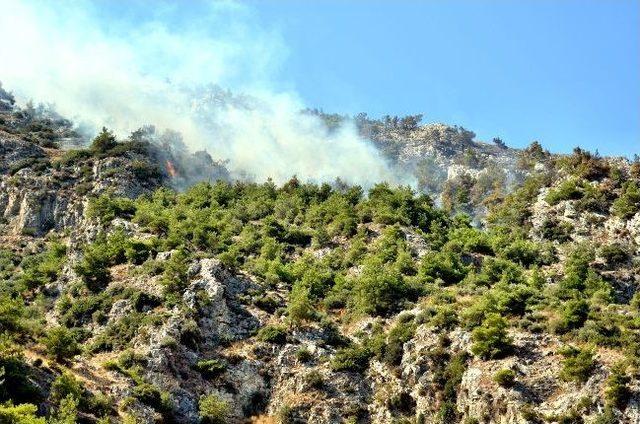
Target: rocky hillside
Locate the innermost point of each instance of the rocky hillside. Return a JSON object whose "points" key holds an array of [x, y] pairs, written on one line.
{"points": [[124, 300], [447, 162]]}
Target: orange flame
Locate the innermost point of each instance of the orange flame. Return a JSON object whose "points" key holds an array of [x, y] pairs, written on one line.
{"points": [[171, 169]]}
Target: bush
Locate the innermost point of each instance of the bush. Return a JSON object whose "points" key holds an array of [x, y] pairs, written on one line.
{"points": [[398, 336], [174, 277], [213, 410], [273, 334], [137, 252], [568, 190], [491, 340], [104, 141], [313, 380], [577, 365], [354, 358], [67, 411], [72, 157], [300, 308], [505, 378], [303, 354], [574, 315], [618, 392], [150, 395], [93, 268], [42, 268], [106, 207], [628, 204], [613, 254], [66, 385], [20, 414], [61, 343], [210, 368], [379, 289]]}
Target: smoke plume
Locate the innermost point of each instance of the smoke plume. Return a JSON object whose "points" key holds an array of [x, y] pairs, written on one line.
{"points": [[162, 64]]}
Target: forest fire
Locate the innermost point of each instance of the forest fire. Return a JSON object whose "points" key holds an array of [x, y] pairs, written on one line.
{"points": [[171, 169]]}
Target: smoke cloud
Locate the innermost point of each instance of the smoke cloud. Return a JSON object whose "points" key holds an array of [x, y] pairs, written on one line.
{"points": [[158, 63]]}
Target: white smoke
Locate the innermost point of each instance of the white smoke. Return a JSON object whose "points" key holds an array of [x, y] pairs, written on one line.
{"points": [[125, 71]]}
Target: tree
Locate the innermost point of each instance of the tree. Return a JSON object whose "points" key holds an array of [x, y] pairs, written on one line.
{"points": [[65, 386], [104, 141], [491, 340], [61, 343], [67, 412], [20, 414], [300, 308], [94, 268], [498, 142]]}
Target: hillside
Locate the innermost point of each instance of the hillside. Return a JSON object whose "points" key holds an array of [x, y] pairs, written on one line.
{"points": [[140, 284]]}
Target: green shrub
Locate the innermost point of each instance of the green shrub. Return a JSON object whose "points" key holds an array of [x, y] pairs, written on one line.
{"points": [[379, 290], [137, 251], [313, 379], [104, 141], [355, 358], [524, 252], [210, 368], [145, 171], [618, 392], [299, 307], [505, 378], [574, 315], [93, 268], [147, 394], [446, 266], [628, 204], [12, 313], [567, 190], [20, 414], [174, 277], [72, 157], [66, 385], [16, 378], [67, 411], [491, 340], [213, 410], [303, 354], [106, 208], [42, 268], [118, 334], [61, 343], [613, 254], [401, 333], [577, 365], [273, 334]]}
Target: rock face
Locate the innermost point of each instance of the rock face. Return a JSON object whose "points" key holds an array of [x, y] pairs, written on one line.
{"points": [[38, 192]]}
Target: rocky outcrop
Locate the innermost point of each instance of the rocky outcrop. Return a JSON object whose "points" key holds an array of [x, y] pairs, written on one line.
{"points": [[39, 193]]}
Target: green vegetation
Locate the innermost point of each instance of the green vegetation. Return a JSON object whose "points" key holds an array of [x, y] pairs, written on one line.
{"points": [[628, 204], [61, 343], [618, 392], [491, 339], [505, 378], [577, 365], [323, 259], [273, 334], [213, 410]]}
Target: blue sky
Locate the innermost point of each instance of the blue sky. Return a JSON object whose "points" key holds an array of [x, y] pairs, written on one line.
{"points": [[563, 72]]}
